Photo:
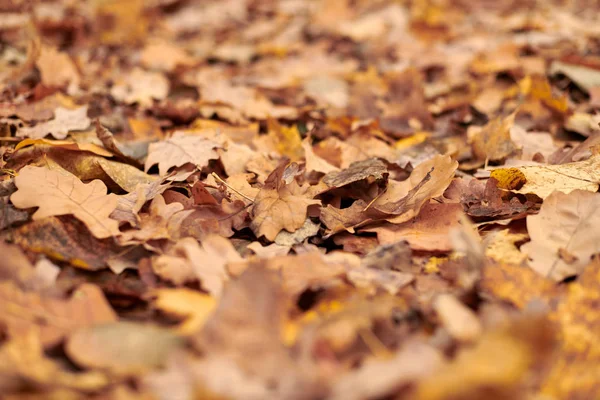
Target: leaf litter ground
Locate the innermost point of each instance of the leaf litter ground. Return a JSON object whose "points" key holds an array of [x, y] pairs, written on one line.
{"points": [[299, 199]]}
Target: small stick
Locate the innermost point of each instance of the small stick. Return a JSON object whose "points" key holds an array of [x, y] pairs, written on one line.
{"points": [[10, 139], [218, 178]]}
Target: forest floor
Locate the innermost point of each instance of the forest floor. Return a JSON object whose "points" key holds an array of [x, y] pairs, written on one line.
{"points": [[299, 199]]}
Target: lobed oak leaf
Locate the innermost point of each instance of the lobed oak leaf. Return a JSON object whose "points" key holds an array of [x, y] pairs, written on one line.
{"points": [[60, 193], [280, 205], [64, 121], [564, 234], [180, 149]]}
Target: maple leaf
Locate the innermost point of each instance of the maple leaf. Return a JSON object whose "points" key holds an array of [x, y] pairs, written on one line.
{"points": [[60, 193], [180, 149], [279, 205], [564, 234], [64, 121]]}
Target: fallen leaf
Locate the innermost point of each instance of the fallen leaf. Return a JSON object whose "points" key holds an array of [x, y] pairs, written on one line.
{"points": [[52, 318], [56, 68], [586, 78], [574, 369], [429, 230], [188, 261], [194, 307], [542, 180], [495, 367], [122, 348], [180, 149], [87, 202], [565, 226], [139, 86], [162, 222], [519, 285], [280, 205], [64, 121], [460, 322], [493, 142], [24, 366]]}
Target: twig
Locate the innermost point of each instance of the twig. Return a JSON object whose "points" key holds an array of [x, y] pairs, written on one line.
{"points": [[10, 139], [218, 178]]}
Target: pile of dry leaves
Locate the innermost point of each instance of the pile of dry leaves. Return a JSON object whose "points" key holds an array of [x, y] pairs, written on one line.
{"points": [[299, 199]]}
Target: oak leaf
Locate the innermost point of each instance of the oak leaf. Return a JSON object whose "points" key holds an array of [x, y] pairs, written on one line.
{"points": [[64, 121], [564, 234], [542, 180], [162, 222], [279, 205], [180, 149], [60, 193]]}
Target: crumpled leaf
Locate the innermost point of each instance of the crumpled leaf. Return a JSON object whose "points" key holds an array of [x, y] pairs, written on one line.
{"points": [[64, 121], [162, 222], [585, 77], [58, 193], [542, 180], [564, 234], [180, 149], [280, 205], [49, 317]]}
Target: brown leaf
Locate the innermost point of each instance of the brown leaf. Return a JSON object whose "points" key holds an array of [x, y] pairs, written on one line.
{"points": [[52, 318], [194, 307], [372, 169], [493, 142], [122, 348], [24, 367], [279, 205], [567, 222], [139, 86], [64, 121], [429, 231], [57, 193], [180, 149], [162, 222], [56, 68], [188, 261]]}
